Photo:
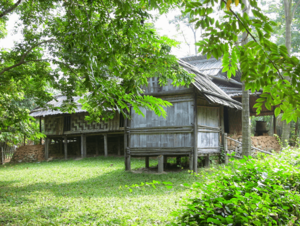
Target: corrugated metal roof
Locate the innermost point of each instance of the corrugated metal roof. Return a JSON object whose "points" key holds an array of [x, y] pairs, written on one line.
{"points": [[210, 90], [210, 66]]}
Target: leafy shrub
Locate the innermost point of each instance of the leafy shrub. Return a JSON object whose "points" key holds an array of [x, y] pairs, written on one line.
{"points": [[263, 191]]}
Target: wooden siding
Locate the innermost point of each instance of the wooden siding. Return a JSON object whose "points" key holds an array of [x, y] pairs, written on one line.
{"points": [[234, 121], [154, 87], [208, 119], [54, 124], [150, 134]]}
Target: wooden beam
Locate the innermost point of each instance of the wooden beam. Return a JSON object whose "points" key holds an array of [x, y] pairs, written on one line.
{"points": [[147, 161], [160, 163], [105, 145], [195, 156], [47, 148], [83, 145], [65, 147], [191, 162], [41, 129], [125, 143]]}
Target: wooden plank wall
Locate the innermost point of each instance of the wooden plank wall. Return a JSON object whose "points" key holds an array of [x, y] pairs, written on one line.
{"points": [[153, 134], [54, 124], [234, 121]]}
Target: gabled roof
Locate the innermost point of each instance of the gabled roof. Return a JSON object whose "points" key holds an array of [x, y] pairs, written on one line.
{"points": [[202, 82], [210, 90]]}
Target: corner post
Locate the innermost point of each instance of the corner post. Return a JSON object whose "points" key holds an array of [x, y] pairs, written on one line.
{"points": [[66, 147], [41, 129], [105, 144], [207, 162], [160, 163], [195, 157], [125, 143], [47, 140], [83, 145]]}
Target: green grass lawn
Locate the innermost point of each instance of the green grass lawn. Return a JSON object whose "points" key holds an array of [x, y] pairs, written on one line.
{"points": [[86, 192]]}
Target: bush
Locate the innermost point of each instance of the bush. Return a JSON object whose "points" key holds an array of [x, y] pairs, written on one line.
{"points": [[262, 191]]}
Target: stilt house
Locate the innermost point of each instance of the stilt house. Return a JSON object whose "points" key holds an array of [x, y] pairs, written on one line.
{"points": [[193, 127]]}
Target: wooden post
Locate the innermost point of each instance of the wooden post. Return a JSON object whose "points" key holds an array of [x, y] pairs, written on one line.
{"points": [[83, 145], [191, 162], [195, 157], [125, 143], [274, 124], [207, 162], [225, 147], [65, 147], [147, 162], [119, 146], [160, 163], [97, 147], [47, 148], [105, 144], [40, 129]]}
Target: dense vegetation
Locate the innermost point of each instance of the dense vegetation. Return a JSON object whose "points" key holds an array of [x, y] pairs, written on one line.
{"points": [[263, 191]]}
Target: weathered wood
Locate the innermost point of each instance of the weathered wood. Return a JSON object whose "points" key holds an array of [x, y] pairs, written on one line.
{"points": [[160, 163], [147, 162], [207, 162], [105, 145], [47, 148], [41, 129], [83, 145], [209, 127], [119, 146], [195, 154], [125, 144], [66, 147], [191, 162], [225, 148]]}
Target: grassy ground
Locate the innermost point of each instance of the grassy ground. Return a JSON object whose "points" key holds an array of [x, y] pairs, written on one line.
{"points": [[86, 192]]}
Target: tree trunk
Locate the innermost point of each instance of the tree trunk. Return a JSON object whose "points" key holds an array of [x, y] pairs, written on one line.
{"points": [[288, 43], [271, 129], [246, 132]]}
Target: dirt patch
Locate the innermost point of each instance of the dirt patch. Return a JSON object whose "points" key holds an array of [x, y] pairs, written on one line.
{"points": [[29, 153]]}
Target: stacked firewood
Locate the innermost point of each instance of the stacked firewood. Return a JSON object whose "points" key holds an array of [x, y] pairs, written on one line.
{"points": [[266, 143], [29, 153]]}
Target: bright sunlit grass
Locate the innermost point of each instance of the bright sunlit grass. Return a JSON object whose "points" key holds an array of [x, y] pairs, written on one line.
{"points": [[86, 192]]}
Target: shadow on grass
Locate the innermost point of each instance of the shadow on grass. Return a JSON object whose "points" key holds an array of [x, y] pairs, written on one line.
{"points": [[106, 177]]}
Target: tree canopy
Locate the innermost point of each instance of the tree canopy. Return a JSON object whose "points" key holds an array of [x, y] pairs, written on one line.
{"points": [[102, 50], [262, 63]]}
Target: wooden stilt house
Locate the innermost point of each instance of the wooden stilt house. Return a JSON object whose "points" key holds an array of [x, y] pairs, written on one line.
{"points": [[71, 135], [193, 126]]}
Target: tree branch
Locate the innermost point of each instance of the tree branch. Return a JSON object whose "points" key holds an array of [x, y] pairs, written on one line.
{"points": [[295, 7], [22, 61], [10, 9], [247, 30]]}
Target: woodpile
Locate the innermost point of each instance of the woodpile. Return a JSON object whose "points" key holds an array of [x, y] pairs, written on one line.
{"points": [[266, 143], [29, 153]]}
